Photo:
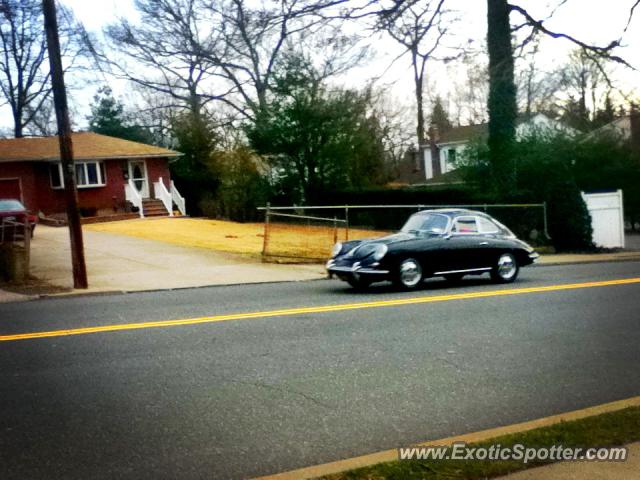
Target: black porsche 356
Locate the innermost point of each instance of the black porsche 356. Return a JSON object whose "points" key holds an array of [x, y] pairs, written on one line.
{"points": [[448, 243]]}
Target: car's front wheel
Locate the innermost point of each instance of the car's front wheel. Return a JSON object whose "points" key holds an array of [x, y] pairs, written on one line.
{"points": [[506, 269], [409, 274]]}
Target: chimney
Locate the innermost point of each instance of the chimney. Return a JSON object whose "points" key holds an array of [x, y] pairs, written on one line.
{"points": [[434, 137], [412, 157], [634, 121]]}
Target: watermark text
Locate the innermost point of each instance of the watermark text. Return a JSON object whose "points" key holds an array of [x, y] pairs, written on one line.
{"points": [[517, 453]]}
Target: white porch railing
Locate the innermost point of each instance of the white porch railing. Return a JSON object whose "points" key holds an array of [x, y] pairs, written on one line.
{"points": [[178, 199], [161, 193], [132, 195]]}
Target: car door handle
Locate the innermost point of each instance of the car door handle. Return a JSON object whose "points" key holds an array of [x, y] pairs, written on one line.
{"points": [[482, 244]]}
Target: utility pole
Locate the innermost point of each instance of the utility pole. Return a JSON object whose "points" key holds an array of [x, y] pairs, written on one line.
{"points": [[66, 145]]}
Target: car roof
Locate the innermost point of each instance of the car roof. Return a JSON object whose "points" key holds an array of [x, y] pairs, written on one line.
{"points": [[452, 212]]}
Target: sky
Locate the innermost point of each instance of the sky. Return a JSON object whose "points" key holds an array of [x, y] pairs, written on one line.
{"points": [[593, 21]]}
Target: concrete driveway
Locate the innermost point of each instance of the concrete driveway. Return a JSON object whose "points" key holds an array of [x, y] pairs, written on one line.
{"points": [[120, 263]]}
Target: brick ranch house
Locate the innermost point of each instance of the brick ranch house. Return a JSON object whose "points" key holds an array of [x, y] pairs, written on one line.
{"points": [[113, 176]]}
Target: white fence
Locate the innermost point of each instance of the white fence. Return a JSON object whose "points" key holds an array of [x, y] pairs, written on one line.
{"points": [[607, 218]]}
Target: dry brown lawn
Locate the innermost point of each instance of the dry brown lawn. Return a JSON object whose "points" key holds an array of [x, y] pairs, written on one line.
{"points": [[286, 242]]}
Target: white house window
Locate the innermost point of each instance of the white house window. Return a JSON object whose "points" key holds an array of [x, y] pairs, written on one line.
{"points": [[88, 174]]}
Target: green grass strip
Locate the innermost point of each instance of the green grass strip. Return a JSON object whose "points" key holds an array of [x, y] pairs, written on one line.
{"points": [[606, 430]]}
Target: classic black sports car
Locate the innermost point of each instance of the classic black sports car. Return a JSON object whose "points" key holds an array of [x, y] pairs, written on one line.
{"points": [[448, 243]]}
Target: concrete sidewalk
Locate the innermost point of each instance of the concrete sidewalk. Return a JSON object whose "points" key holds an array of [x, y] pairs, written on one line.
{"points": [[629, 469], [568, 258], [121, 263]]}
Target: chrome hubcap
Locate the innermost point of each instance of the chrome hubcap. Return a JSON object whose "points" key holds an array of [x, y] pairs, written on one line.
{"points": [[410, 273], [506, 267]]}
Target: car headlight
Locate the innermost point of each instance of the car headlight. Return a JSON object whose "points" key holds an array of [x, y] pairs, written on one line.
{"points": [[337, 248], [380, 251]]}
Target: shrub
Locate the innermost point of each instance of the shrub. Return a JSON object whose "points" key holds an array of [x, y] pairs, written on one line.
{"points": [[241, 187], [544, 173]]}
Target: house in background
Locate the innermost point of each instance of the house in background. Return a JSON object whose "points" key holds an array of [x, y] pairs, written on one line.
{"points": [[625, 128], [113, 176], [440, 156]]}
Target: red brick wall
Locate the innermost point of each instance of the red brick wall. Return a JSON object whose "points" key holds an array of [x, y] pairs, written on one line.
{"points": [[104, 200], [23, 171], [38, 195], [156, 168]]}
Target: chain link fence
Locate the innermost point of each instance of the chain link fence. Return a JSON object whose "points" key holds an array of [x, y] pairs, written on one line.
{"points": [[307, 233]]}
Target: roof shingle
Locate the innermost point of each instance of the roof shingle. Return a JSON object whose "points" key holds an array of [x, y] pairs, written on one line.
{"points": [[86, 146], [464, 133]]}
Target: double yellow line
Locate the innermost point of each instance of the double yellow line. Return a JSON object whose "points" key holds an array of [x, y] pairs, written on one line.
{"points": [[319, 309]]}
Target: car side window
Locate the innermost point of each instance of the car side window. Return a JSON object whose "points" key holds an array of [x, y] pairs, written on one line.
{"points": [[487, 226], [465, 225]]}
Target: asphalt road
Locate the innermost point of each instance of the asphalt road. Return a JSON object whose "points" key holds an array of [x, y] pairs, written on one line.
{"points": [[241, 398]]}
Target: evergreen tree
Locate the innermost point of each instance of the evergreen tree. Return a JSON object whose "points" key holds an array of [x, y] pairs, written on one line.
{"points": [[316, 139], [440, 116], [605, 115], [196, 170], [108, 118]]}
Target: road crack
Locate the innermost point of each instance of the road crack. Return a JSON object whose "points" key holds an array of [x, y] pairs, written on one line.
{"points": [[276, 388]]}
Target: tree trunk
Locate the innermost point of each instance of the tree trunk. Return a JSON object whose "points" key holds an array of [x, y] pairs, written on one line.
{"points": [[502, 104], [17, 128], [419, 103]]}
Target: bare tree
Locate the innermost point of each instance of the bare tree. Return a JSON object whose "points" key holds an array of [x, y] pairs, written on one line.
{"points": [[43, 121], [395, 135], [502, 91], [225, 51], [537, 88], [420, 28], [470, 89], [168, 49], [586, 79], [24, 74], [537, 26]]}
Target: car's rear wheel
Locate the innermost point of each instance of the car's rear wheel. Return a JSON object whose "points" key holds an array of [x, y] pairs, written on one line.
{"points": [[506, 269], [359, 283], [409, 274]]}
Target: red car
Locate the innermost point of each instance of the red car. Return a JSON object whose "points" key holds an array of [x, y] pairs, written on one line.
{"points": [[14, 211]]}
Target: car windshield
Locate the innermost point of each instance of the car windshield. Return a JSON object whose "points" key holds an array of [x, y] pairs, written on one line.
{"points": [[10, 206], [426, 223]]}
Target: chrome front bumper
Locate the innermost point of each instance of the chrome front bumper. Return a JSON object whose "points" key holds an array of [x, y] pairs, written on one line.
{"points": [[356, 268]]}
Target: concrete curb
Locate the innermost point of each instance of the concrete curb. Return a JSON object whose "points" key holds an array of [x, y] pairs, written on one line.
{"points": [[588, 259], [392, 455], [155, 290], [71, 294]]}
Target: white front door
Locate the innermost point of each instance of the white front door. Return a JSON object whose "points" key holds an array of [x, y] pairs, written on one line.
{"points": [[138, 173]]}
